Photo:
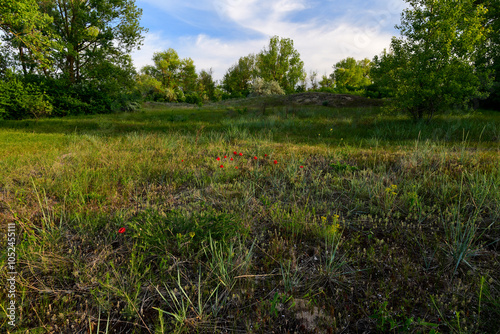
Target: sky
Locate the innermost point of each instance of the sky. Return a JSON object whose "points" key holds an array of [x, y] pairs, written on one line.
{"points": [[216, 33]]}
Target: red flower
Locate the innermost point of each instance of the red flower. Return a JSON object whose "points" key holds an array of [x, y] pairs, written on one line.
{"points": [[255, 158], [221, 166], [236, 167], [265, 155], [301, 166], [235, 153], [231, 159], [182, 160], [225, 157], [218, 159], [275, 162], [121, 230], [241, 154]]}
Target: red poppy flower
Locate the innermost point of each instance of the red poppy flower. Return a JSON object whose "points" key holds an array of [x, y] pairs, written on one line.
{"points": [[236, 167], [255, 158], [235, 153], [221, 166], [301, 166], [265, 155], [241, 154], [121, 230], [225, 157], [218, 158], [231, 159], [275, 162], [182, 160]]}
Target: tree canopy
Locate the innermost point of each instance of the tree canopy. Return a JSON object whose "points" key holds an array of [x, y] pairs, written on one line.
{"points": [[281, 62], [431, 67], [351, 73]]}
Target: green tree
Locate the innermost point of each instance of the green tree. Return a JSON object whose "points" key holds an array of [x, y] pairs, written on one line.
{"points": [[238, 78], [351, 74], [91, 31], [207, 85], [280, 62], [177, 77], [325, 82], [431, 68], [491, 55], [23, 25]]}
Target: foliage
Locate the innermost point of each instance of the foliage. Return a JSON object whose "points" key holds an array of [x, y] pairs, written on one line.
{"points": [[91, 33], [24, 25], [237, 80], [280, 62], [431, 67], [260, 87], [491, 51], [171, 79], [207, 86], [351, 74], [19, 100]]}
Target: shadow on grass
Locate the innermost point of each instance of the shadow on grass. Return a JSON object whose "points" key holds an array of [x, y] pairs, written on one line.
{"points": [[302, 125]]}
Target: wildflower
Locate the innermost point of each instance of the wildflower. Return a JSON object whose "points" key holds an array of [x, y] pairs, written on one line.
{"points": [[235, 153], [192, 234], [225, 156], [265, 155], [241, 154], [231, 159], [218, 158], [331, 129], [121, 230], [236, 167], [255, 158], [221, 166], [275, 162], [301, 166], [182, 160]]}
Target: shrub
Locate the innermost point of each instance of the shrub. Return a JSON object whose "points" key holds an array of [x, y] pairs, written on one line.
{"points": [[260, 87], [19, 100]]}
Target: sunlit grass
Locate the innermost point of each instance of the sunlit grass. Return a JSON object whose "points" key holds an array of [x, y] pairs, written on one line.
{"points": [[389, 223]]}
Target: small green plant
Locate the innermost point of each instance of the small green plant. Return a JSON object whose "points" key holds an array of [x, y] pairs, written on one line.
{"points": [[341, 167], [291, 278], [227, 261], [185, 310]]}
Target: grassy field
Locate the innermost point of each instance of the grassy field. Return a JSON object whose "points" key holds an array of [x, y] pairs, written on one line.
{"points": [[238, 219]]}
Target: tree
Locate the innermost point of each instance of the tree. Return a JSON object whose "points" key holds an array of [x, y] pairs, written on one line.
{"points": [[91, 30], [351, 74], [491, 53], [313, 78], [206, 85], [238, 78], [281, 63], [325, 82], [177, 76], [23, 25], [431, 67]]}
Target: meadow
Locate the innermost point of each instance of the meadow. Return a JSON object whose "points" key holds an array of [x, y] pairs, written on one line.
{"points": [[234, 218]]}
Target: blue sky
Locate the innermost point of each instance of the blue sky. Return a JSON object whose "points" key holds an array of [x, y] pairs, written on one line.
{"points": [[216, 33]]}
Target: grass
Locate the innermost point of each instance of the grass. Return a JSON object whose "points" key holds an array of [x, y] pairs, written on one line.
{"points": [[389, 226]]}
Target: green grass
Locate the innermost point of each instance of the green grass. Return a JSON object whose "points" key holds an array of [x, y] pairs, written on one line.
{"points": [[389, 226]]}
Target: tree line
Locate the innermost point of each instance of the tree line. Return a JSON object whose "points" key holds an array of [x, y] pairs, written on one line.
{"points": [[61, 57]]}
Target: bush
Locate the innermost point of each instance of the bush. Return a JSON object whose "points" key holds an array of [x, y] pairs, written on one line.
{"points": [[19, 100], [260, 87]]}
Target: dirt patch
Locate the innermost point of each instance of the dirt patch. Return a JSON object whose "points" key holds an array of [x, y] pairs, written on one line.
{"points": [[331, 100]]}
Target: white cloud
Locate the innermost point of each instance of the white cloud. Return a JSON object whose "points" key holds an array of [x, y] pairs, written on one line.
{"points": [[322, 40]]}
